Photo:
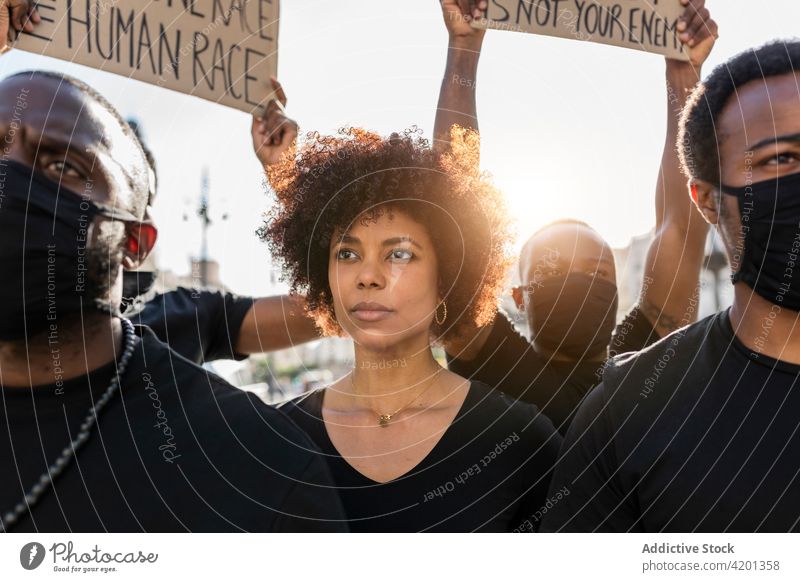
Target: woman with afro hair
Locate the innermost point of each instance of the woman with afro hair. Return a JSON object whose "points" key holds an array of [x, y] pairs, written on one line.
{"points": [[400, 247]]}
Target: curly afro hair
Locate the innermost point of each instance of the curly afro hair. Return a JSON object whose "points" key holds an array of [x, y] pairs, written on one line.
{"points": [[698, 139], [332, 181]]}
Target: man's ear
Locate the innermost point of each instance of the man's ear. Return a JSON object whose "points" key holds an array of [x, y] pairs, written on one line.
{"points": [[141, 238], [706, 197], [519, 297]]}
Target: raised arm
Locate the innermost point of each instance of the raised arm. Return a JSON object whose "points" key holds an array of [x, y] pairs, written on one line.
{"points": [[457, 94], [457, 107], [275, 323], [672, 271], [274, 134]]}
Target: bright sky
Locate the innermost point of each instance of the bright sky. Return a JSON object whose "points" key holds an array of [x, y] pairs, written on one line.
{"points": [[569, 129]]}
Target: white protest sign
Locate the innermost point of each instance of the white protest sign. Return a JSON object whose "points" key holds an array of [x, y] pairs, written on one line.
{"points": [[646, 25], [221, 50]]}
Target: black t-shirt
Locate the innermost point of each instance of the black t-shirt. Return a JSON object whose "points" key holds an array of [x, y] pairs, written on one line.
{"points": [[176, 449], [509, 363], [201, 325], [696, 433], [632, 334], [489, 471]]}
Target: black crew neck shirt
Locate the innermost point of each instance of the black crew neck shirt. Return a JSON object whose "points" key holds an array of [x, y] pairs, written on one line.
{"points": [[509, 363], [695, 434], [202, 325], [176, 449], [489, 472]]}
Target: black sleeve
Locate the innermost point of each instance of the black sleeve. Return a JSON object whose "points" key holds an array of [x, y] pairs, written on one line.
{"points": [[507, 361], [313, 504], [201, 325], [633, 334], [536, 498], [586, 481], [225, 312]]}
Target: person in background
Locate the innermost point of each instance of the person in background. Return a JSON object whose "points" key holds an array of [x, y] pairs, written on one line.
{"points": [[568, 286], [371, 230], [699, 433], [103, 428], [205, 324]]}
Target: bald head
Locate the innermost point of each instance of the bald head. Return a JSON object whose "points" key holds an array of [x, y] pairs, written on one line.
{"points": [[68, 132], [566, 247], [568, 291]]}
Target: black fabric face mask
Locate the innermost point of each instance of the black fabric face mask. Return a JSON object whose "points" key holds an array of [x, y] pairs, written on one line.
{"points": [[44, 250], [137, 287], [573, 314], [770, 214]]}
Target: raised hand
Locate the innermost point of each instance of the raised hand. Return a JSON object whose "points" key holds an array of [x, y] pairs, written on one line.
{"points": [[697, 31], [16, 16], [274, 134], [458, 14]]}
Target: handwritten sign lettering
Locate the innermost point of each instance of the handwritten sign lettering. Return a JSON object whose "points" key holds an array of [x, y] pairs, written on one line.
{"points": [[221, 50], [647, 25]]}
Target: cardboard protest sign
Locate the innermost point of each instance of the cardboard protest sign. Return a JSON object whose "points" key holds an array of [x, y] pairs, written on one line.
{"points": [[646, 25], [221, 50]]}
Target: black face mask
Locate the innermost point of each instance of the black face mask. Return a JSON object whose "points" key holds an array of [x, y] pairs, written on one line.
{"points": [[770, 213], [44, 250], [573, 314], [136, 287]]}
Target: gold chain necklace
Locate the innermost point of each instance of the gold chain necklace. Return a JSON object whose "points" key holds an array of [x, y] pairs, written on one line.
{"points": [[384, 419]]}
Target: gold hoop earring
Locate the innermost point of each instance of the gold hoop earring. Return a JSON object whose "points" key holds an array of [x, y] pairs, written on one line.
{"points": [[436, 313]]}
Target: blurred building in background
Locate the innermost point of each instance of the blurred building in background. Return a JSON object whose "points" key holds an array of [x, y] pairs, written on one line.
{"points": [[716, 291]]}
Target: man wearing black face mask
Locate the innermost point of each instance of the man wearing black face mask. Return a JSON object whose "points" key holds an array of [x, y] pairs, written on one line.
{"points": [[567, 271], [700, 431], [102, 427]]}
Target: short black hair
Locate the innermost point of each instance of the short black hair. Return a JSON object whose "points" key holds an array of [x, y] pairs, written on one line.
{"points": [[92, 93], [698, 138]]}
